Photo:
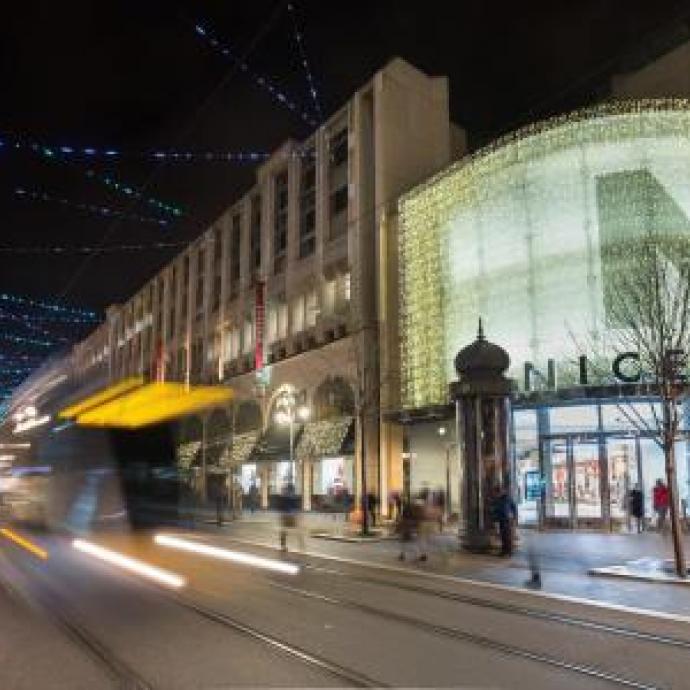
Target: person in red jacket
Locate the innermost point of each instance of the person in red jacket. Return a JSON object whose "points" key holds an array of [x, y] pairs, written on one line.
{"points": [[660, 500]]}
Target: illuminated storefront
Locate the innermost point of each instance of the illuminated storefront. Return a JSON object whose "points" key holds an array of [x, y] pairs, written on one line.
{"points": [[517, 234]]}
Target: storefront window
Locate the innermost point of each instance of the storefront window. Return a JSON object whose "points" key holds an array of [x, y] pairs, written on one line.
{"points": [[627, 416], [573, 419], [526, 465], [249, 478]]}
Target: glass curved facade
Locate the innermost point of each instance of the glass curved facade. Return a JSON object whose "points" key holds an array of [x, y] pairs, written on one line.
{"points": [[515, 234]]}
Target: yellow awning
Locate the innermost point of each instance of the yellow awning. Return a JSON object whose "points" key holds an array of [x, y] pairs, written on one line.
{"points": [[150, 404], [101, 397]]}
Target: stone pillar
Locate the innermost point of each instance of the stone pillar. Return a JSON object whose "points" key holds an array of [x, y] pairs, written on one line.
{"points": [[263, 473], [482, 403], [306, 465]]}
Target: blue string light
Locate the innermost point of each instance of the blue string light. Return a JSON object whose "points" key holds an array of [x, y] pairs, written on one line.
{"points": [[28, 341], [93, 153], [87, 249], [16, 299], [299, 39], [263, 82], [102, 211], [134, 193]]}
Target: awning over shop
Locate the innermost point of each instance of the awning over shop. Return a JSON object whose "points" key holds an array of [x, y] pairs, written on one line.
{"points": [[330, 437]]}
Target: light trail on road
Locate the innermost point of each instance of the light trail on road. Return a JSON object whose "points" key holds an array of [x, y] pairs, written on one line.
{"points": [[226, 554]]}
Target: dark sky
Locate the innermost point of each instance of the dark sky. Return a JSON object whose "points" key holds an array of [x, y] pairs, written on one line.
{"points": [[135, 76]]}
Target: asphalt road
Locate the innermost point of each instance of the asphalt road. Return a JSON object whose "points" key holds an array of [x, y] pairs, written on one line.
{"points": [[71, 621]]}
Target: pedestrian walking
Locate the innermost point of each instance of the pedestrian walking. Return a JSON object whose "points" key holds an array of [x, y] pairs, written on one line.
{"points": [[406, 526], [504, 513], [372, 503], [636, 500], [660, 499]]}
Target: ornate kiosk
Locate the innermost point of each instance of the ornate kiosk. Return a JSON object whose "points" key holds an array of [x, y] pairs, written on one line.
{"points": [[482, 413]]}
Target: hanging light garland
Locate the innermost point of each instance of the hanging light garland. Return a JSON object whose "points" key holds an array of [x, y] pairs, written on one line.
{"points": [[16, 299], [95, 153], [87, 249], [135, 193], [102, 211], [299, 39], [261, 81]]}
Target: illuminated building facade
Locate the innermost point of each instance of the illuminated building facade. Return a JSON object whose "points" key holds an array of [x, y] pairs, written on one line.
{"points": [[282, 292], [515, 234]]}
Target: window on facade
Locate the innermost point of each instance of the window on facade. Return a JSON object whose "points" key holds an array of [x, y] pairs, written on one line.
{"points": [[329, 297], [248, 336], [282, 320], [272, 325], [347, 282], [235, 253], [311, 309], [280, 222], [307, 228], [255, 235], [338, 148], [298, 314], [338, 183]]}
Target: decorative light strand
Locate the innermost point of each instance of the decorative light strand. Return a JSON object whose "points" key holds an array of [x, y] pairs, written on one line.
{"points": [[102, 211], [135, 193], [260, 80], [87, 249], [305, 63], [16, 299], [95, 153], [29, 341]]}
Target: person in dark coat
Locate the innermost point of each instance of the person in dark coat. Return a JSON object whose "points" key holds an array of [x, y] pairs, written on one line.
{"points": [[637, 507], [504, 512]]}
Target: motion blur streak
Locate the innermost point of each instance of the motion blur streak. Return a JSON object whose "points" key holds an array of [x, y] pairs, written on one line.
{"points": [[24, 543], [162, 576], [226, 555]]}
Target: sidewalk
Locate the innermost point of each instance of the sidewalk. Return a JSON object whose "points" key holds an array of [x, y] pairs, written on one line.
{"points": [[565, 559]]}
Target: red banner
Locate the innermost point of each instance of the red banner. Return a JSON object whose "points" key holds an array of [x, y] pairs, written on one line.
{"points": [[259, 320]]}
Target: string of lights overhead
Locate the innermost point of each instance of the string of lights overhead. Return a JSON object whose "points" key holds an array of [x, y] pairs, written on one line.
{"points": [[88, 249], [135, 193], [102, 211], [50, 306], [299, 39], [260, 80], [95, 153]]}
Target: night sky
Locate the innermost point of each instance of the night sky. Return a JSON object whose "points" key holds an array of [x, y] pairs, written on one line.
{"points": [[136, 77]]}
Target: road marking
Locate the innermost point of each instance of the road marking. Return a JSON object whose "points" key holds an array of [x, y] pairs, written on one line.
{"points": [[24, 543], [567, 598], [151, 572]]}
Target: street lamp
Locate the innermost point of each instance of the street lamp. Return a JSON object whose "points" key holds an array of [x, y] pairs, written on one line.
{"points": [[287, 412]]}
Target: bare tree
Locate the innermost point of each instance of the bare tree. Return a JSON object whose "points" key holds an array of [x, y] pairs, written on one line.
{"points": [[647, 303]]}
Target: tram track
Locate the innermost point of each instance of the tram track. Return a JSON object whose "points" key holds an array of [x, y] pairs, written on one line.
{"points": [[472, 638], [351, 677], [515, 609]]}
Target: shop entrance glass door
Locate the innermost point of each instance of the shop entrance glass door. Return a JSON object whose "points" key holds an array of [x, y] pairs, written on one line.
{"points": [[557, 476], [623, 475], [586, 479]]}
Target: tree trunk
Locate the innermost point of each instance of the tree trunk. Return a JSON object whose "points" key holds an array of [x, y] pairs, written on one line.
{"points": [[671, 482]]}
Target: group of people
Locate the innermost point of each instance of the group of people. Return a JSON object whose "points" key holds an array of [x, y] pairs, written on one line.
{"points": [[660, 504]]}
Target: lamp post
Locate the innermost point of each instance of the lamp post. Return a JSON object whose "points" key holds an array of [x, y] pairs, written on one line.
{"points": [[288, 411]]}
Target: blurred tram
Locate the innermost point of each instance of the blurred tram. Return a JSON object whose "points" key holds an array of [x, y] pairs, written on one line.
{"points": [[80, 475]]}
